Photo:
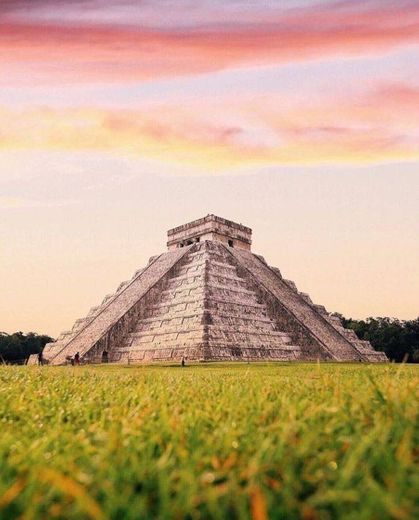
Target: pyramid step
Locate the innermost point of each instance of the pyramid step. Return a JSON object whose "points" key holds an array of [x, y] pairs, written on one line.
{"points": [[375, 356], [52, 347], [93, 311], [179, 301], [224, 287], [213, 293], [164, 342], [259, 321], [363, 346], [330, 342], [335, 321], [229, 304], [196, 286], [183, 340], [184, 280], [244, 353], [321, 309], [224, 279], [166, 331], [257, 347], [222, 265], [65, 335], [194, 322], [195, 314], [175, 338], [175, 308], [146, 330], [245, 337], [350, 334], [179, 319], [277, 271], [158, 354], [187, 307], [291, 284], [211, 285], [214, 302], [184, 307], [190, 270], [107, 298], [306, 297], [80, 323], [229, 329], [122, 286]]}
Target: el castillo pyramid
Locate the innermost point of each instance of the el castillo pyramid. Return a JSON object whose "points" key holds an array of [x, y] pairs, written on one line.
{"points": [[208, 298]]}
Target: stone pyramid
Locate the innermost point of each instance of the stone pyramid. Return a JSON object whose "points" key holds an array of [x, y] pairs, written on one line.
{"points": [[209, 298]]}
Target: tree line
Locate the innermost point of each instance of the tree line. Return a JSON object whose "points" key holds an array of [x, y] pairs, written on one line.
{"points": [[399, 339], [17, 347]]}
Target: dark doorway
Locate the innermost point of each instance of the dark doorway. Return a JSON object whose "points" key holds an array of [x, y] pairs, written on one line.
{"points": [[105, 358], [230, 243]]}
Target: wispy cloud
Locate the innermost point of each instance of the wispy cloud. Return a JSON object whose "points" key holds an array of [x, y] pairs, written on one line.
{"points": [[25, 203], [376, 126], [87, 51]]}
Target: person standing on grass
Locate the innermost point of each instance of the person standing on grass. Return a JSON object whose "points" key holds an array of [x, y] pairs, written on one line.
{"points": [[77, 359], [40, 358], [182, 363]]}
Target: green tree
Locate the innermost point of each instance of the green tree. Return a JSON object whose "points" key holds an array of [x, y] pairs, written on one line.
{"points": [[397, 338], [17, 347]]}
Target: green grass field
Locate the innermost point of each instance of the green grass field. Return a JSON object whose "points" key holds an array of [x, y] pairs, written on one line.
{"points": [[221, 441]]}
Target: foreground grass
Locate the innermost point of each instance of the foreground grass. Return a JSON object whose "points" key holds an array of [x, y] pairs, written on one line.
{"points": [[226, 441]]}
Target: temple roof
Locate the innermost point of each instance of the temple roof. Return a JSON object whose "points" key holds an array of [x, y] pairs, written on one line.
{"points": [[212, 228]]}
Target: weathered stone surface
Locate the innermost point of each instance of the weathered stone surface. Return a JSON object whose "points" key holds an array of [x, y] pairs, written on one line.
{"points": [[210, 228], [205, 312], [209, 298], [109, 323]]}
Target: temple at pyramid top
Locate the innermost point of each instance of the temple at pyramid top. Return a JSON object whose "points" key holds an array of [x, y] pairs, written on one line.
{"points": [[212, 228], [208, 298]]}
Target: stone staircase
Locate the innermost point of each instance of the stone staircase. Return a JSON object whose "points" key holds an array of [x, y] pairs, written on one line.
{"points": [[361, 350], [364, 348], [206, 311], [336, 344], [100, 323]]}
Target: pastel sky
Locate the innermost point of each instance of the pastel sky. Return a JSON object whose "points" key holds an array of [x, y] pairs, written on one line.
{"points": [[121, 119]]}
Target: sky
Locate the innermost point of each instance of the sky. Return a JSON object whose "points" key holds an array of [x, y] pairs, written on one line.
{"points": [[122, 119]]}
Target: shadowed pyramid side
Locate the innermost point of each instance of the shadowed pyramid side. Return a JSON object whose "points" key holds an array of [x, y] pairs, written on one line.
{"points": [[318, 334]]}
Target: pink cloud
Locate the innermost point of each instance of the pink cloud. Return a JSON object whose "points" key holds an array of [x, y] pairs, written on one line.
{"points": [[96, 52], [371, 127]]}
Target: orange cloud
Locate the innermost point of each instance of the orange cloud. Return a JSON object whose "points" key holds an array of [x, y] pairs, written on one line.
{"points": [[58, 53], [228, 135]]}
